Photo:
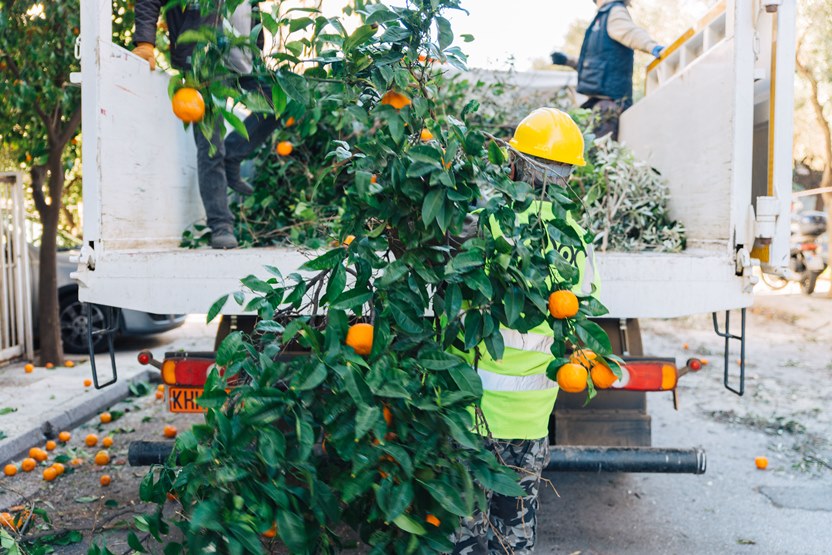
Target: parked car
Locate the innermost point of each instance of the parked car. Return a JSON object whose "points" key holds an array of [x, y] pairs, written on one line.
{"points": [[74, 320]]}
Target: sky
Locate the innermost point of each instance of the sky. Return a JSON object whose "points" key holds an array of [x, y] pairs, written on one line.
{"points": [[524, 29]]}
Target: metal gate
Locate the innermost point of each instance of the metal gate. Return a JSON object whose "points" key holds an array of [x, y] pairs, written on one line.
{"points": [[15, 282]]}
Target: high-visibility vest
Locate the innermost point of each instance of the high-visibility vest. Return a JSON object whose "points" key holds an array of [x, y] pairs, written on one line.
{"points": [[518, 397]]}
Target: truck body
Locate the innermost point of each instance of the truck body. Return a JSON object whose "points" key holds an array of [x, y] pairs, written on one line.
{"points": [[715, 120]]}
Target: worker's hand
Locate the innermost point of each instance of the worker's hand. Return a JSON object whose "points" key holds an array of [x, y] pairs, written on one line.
{"points": [[559, 58], [144, 50], [657, 51]]}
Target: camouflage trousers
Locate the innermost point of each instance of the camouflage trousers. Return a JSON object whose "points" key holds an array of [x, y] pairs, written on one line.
{"points": [[509, 523]]}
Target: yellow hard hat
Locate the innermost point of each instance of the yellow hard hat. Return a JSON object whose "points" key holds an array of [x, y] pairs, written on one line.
{"points": [[551, 134]]}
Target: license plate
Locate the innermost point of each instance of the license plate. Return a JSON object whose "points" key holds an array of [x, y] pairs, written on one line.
{"points": [[183, 399]]}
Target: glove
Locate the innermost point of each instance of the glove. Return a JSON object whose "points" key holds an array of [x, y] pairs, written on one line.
{"points": [[559, 58], [657, 51], [144, 50]]}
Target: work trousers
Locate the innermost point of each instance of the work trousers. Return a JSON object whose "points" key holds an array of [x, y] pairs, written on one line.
{"points": [[217, 170], [607, 114], [508, 524]]}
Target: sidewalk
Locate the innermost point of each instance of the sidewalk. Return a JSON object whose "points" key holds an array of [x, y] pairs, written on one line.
{"points": [[49, 401]]}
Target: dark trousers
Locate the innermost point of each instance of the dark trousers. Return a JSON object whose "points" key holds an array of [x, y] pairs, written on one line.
{"points": [[218, 170], [607, 114]]}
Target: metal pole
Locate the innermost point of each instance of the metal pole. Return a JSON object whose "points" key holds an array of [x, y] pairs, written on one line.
{"points": [[627, 459]]}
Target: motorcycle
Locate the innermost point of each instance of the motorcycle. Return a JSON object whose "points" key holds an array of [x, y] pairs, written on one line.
{"points": [[809, 252]]}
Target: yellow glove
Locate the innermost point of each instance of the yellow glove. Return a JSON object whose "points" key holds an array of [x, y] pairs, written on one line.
{"points": [[145, 51]]}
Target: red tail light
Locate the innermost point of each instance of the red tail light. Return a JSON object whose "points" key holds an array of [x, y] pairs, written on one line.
{"points": [[186, 368], [808, 247], [648, 375]]}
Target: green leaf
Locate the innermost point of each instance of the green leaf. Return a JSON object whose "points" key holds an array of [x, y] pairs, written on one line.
{"points": [[313, 379], [352, 299], [235, 122], [292, 532], [467, 380], [256, 284], [593, 336], [453, 301], [326, 261], [279, 100], [358, 37], [294, 85], [269, 326], [215, 308], [405, 321], [336, 283], [438, 360], [473, 328], [365, 419], [395, 271], [495, 154], [434, 201], [444, 31], [409, 525], [134, 543], [228, 348], [447, 496], [514, 301]]}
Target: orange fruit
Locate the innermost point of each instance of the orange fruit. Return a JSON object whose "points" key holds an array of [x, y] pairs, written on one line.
{"points": [[685, 346], [572, 377], [49, 366], [105, 480], [160, 387], [761, 462], [50, 445], [431, 519], [169, 431], [388, 415], [349, 239], [10, 470], [87, 382], [69, 364], [374, 179], [64, 436], [50, 474], [160, 395], [102, 458], [171, 496], [59, 468], [290, 121], [704, 361], [563, 304], [602, 375], [91, 440], [29, 368], [28, 465], [7, 520], [76, 462], [584, 357], [284, 148], [426, 135], [105, 417], [107, 442], [395, 99], [271, 532], [360, 338], [38, 454], [188, 105]]}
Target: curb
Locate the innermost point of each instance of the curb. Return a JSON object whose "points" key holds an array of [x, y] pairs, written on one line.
{"points": [[13, 447]]}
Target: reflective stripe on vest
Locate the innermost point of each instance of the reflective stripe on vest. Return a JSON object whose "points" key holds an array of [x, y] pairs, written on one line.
{"points": [[536, 342], [491, 381]]}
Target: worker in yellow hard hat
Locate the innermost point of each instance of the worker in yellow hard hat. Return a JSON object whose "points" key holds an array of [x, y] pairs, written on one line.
{"points": [[518, 397], [605, 66]]}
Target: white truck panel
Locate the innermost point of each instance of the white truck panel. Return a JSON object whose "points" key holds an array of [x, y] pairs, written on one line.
{"points": [[696, 125]]}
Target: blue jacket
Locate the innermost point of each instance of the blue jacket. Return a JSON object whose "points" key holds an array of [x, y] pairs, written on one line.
{"points": [[605, 67]]}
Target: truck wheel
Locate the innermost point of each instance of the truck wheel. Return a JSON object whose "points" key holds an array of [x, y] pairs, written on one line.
{"points": [[73, 321], [808, 282]]}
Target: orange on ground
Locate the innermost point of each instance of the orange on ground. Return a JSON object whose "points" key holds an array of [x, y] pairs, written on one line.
{"points": [[290, 121], [360, 338], [169, 431], [602, 375], [105, 480], [284, 148], [102, 458], [28, 465], [50, 445], [704, 361], [38, 454], [761, 462], [563, 304], [87, 382], [160, 395], [426, 135], [107, 442], [49, 366], [106, 417], [29, 368], [50, 474], [431, 519], [7, 520], [76, 462], [64, 436], [572, 377], [188, 105], [160, 387], [10, 470], [271, 532], [91, 440], [59, 467], [395, 99], [388, 416], [69, 364]]}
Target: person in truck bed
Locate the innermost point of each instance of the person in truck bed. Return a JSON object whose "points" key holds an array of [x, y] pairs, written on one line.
{"points": [[217, 172], [605, 65]]}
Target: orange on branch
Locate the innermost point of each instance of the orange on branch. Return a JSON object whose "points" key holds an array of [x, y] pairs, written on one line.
{"points": [[188, 105], [395, 99], [572, 377], [360, 338], [563, 304], [284, 148]]}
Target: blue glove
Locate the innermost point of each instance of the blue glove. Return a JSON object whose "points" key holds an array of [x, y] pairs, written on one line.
{"points": [[559, 58], [657, 51]]}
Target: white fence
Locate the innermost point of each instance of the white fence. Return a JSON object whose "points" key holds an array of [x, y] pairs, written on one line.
{"points": [[15, 282]]}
